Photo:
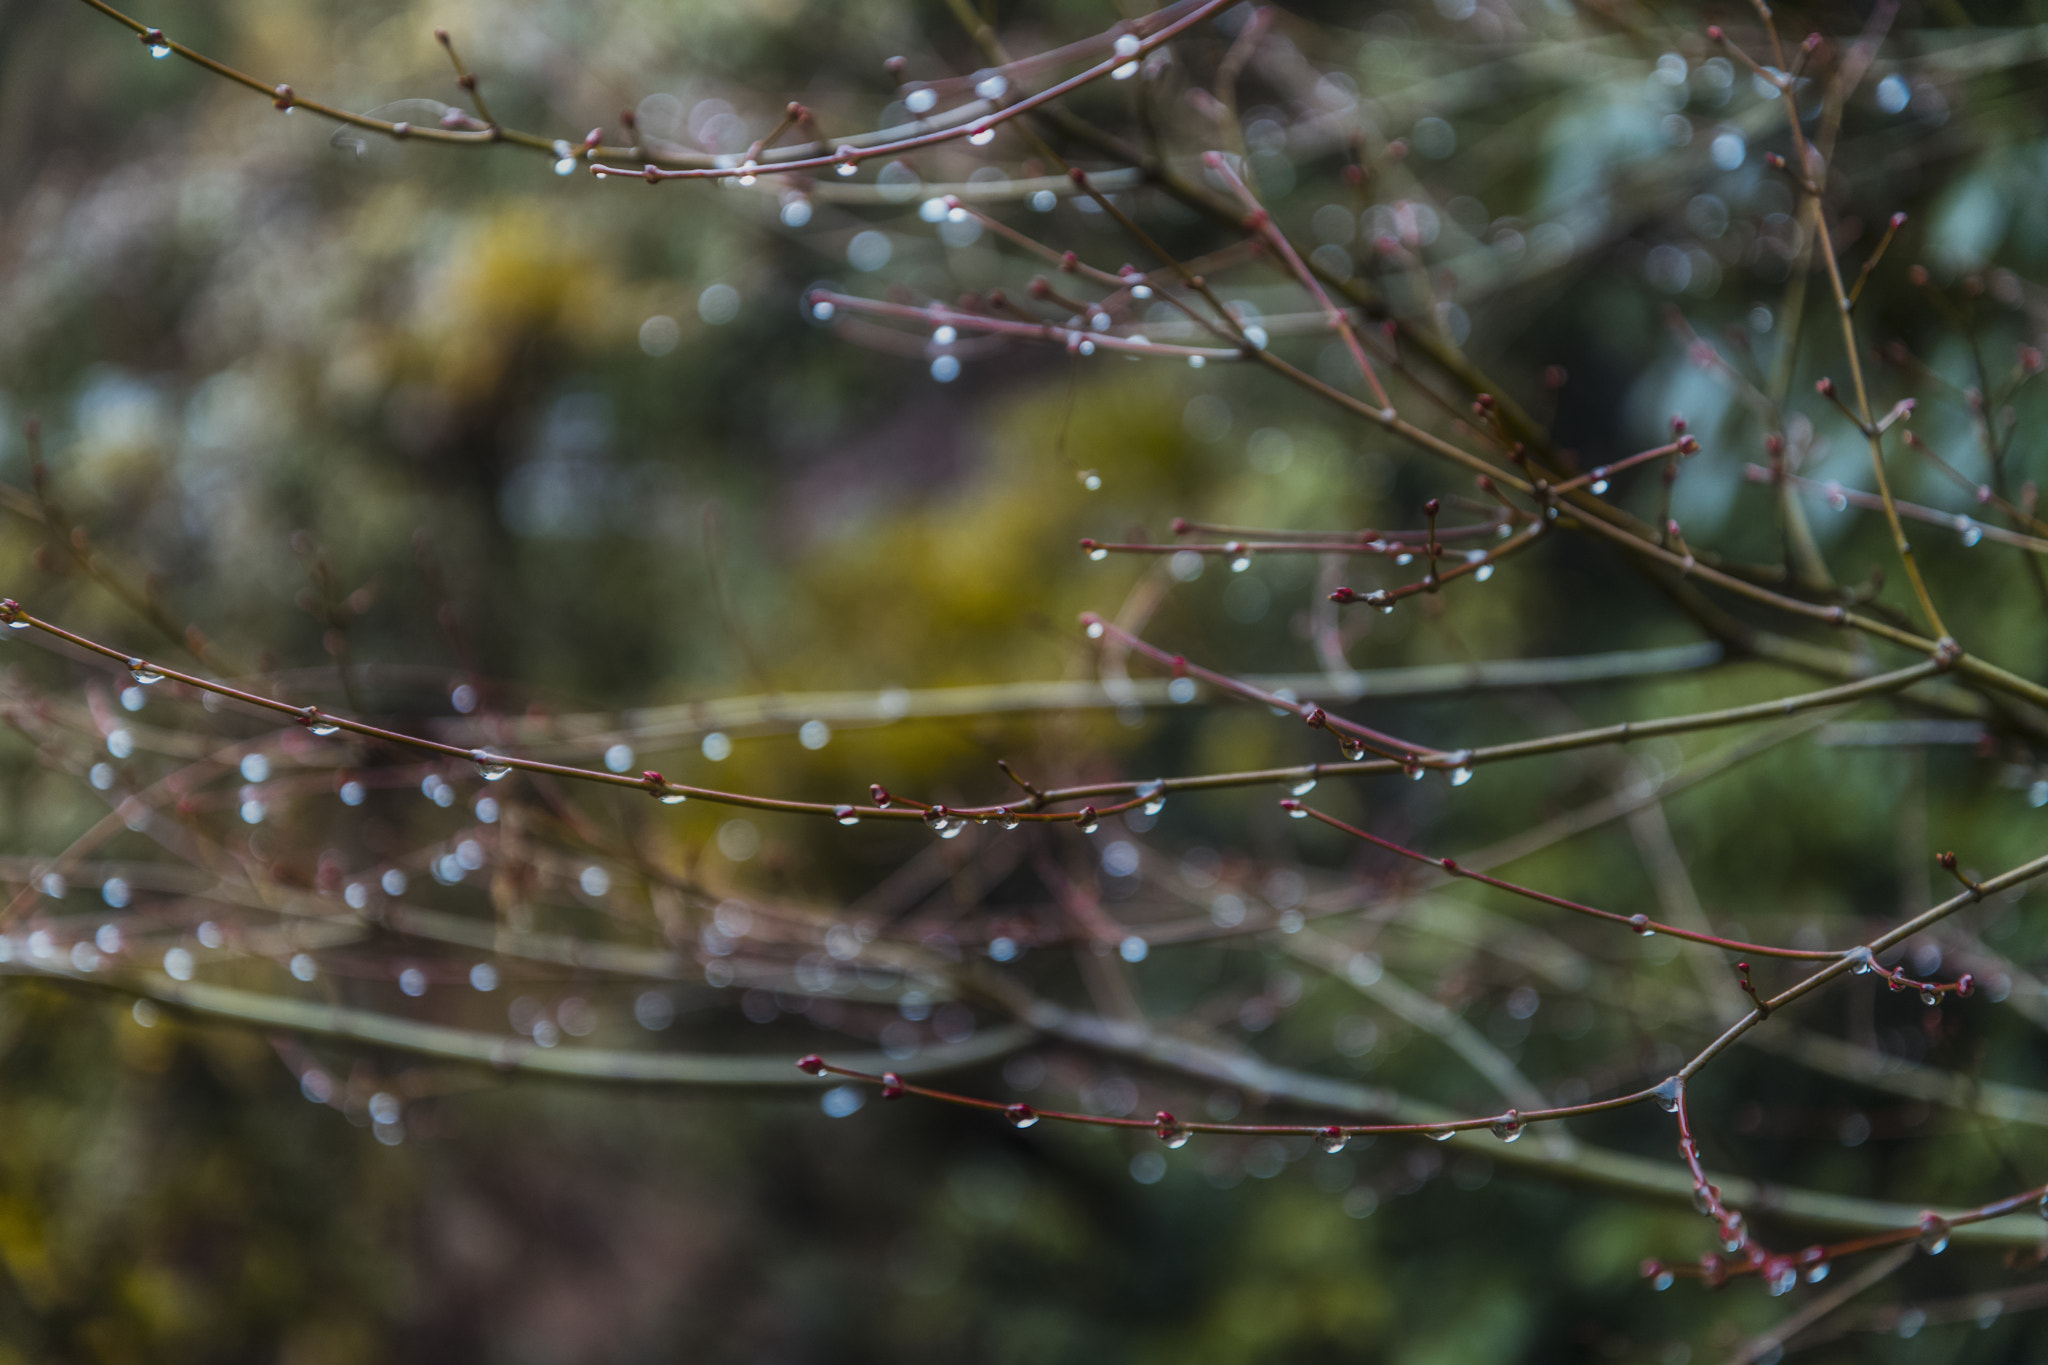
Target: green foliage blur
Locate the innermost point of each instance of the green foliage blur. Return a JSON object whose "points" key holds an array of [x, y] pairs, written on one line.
{"points": [[442, 417]]}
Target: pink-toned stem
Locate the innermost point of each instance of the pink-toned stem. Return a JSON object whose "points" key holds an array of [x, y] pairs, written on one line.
{"points": [[1956, 521], [1385, 744], [1261, 221], [1641, 924]]}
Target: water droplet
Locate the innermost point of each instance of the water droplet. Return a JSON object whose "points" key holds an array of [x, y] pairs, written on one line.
{"points": [[1021, 1115], [1171, 1130], [1007, 818], [1441, 1134], [1668, 1092], [982, 136], [1414, 771], [1098, 554], [1296, 810], [1598, 487], [159, 50], [1124, 72], [1333, 1139], [1929, 997], [1127, 45], [489, 765], [143, 673], [1933, 1234], [1154, 794], [1380, 598], [668, 796], [1240, 564], [1837, 499], [1095, 630], [892, 1086], [1403, 560], [1781, 1276], [318, 724], [846, 815], [1087, 820], [1090, 480], [1862, 963], [1508, 1127], [1663, 1281], [1303, 787], [1641, 924], [1484, 572]]}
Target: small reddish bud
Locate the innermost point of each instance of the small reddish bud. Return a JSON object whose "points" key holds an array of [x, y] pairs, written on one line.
{"points": [[1087, 544], [1774, 161], [1316, 718], [1180, 526], [1077, 175], [1898, 221], [1431, 507], [1397, 149], [892, 1086], [1554, 376], [1774, 444], [593, 137], [1918, 275], [1450, 864], [1812, 43], [879, 794], [1825, 388], [1713, 32], [1289, 803], [1482, 402], [1688, 445], [2030, 359], [1678, 424], [1070, 262], [1966, 985], [282, 97], [813, 1064], [653, 779], [1344, 595], [1486, 485], [1947, 861], [628, 120]]}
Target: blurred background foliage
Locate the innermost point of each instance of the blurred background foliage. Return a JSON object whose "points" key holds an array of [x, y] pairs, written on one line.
{"points": [[451, 420]]}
